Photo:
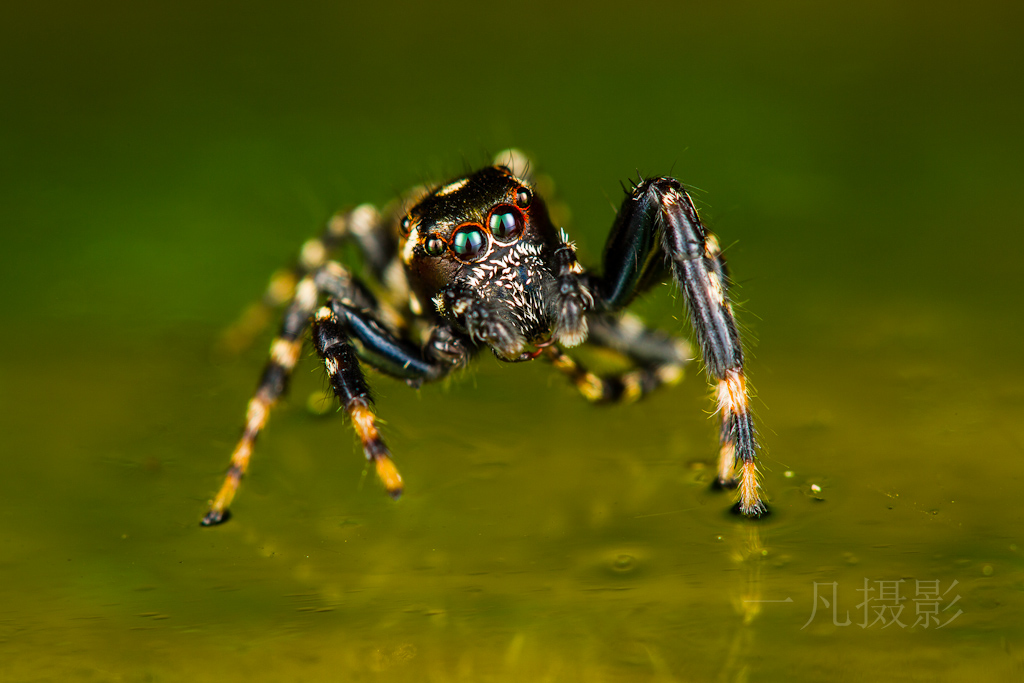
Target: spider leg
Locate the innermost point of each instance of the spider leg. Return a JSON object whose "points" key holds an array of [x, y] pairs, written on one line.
{"points": [[623, 387], [335, 326], [363, 225], [331, 279], [657, 229]]}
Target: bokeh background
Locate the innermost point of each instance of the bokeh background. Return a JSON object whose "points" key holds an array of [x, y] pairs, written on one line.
{"points": [[861, 163]]}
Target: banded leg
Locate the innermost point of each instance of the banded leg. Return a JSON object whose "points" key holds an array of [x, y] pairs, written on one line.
{"points": [[334, 327], [625, 387], [284, 353], [362, 224], [656, 220], [331, 279], [346, 378]]}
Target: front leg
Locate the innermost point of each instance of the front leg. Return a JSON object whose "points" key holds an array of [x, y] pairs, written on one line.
{"points": [[335, 327], [658, 228]]}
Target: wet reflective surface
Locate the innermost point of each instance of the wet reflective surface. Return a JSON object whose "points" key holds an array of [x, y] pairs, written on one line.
{"points": [[862, 176]]}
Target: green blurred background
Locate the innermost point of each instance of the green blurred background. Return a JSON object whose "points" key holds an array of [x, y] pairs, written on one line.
{"points": [[860, 161]]}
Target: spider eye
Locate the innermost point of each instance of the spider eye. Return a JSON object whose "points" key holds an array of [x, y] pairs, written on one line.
{"points": [[506, 223], [469, 242], [523, 197], [434, 245], [405, 225]]}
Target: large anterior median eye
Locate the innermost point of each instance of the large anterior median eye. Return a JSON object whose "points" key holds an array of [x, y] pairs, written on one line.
{"points": [[468, 242], [505, 223]]}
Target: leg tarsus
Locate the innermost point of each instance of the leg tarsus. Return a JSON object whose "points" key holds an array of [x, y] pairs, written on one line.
{"points": [[758, 512], [215, 517]]}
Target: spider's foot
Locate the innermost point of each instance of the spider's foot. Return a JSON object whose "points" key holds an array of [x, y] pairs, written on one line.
{"points": [[215, 517], [389, 476], [758, 511]]}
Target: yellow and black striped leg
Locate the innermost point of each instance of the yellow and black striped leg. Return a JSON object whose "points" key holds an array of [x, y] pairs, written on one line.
{"points": [[624, 387], [362, 224], [346, 378], [738, 442], [284, 353], [360, 314], [700, 271], [658, 215]]}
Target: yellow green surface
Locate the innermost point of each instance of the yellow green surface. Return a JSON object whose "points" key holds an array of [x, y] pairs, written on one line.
{"points": [[861, 163]]}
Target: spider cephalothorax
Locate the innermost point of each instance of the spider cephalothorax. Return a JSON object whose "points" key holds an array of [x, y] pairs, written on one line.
{"points": [[482, 251], [477, 263]]}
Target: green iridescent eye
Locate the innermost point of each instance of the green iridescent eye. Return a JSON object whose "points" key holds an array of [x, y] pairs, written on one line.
{"points": [[506, 223], [469, 242], [523, 197], [434, 246]]}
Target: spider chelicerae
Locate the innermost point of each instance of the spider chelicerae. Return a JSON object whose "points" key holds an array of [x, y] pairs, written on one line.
{"points": [[477, 263]]}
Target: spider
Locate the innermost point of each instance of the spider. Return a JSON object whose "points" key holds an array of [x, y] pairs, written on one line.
{"points": [[477, 263]]}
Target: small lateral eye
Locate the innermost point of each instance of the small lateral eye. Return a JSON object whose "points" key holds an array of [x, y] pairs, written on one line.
{"points": [[523, 197], [505, 223], [469, 242], [405, 225], [434, 245]]}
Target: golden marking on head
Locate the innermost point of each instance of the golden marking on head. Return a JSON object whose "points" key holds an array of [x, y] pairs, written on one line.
{"points": [[324, 313], [285, 353], [452, 188]]}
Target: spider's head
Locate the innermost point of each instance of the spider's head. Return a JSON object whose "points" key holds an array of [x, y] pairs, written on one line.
{"points": [[479, 250]]}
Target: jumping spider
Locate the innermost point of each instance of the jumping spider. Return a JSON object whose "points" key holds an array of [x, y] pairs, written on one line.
{"points": [[477, 263]]}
